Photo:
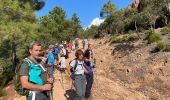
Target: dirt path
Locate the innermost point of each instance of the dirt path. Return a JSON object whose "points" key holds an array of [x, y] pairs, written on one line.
{"points": [[104, 88]]}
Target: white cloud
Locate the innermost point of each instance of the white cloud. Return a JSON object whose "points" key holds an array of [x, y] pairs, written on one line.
{"points": [[96, 22]]}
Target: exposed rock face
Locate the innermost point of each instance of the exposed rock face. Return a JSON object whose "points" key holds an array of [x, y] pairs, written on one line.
{"points": [[135, 4]]}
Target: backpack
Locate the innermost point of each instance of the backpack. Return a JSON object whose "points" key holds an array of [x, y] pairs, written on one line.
{"points": [[72, 70], [17, 83], [66, 55], [32, 77]]}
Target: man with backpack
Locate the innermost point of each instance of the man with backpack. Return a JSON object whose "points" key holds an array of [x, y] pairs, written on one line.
{"points": [[78, 74], [33, 75], [50, 61]]}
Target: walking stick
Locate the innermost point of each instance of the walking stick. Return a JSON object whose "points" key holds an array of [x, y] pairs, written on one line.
{"points": [[62, 83]]}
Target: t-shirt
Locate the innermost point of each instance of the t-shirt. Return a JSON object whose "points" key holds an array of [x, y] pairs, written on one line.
{"points": [[80, 67], [88, 66], [55, 52], [63, 52], [24, 71], [50, 58]]}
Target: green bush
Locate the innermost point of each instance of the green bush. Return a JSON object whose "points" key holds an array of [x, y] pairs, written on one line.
{"points": [[2, 92], [130, 32], [154, 38], [159, 47], [166, 29], [131, 38], [167, 48], [115, 39]]}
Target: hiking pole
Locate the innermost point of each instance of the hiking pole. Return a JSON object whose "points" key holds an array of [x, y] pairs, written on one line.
{"points": [[62, 83], [72, 84], [51, 94]]}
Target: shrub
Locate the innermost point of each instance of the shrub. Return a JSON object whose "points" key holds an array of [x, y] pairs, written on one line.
{"points": [[130, 32], [153, 37], [131, 38], [2, 92], [166, 29], [159, 47], [167, 48], [118, 39]]}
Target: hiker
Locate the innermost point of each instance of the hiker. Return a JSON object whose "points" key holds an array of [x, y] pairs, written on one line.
{"points": [[78, 74], [83, 43], [43, 57], [50, 61], [62, 58], [64, 43], [76, 43], [73, 46], [36, 82], [56, 52], [69, 47], [89, 65]]}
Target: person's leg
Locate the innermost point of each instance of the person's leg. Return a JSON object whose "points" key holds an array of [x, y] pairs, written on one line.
{"points": [[89, 79], [83, 82], [78, 87], [38, 96], [51, 70], [64, 64]]}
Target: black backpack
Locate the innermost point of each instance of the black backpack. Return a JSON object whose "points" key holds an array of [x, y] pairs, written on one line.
{"points": [[72, 70], [66, 56], [17, 83]]}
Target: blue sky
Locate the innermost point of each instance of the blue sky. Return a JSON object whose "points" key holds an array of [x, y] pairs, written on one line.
{"points": [[87, 10]]}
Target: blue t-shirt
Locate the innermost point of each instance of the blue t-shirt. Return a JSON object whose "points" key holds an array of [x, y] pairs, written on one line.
{"points": [[50, 58], [55, 52]]}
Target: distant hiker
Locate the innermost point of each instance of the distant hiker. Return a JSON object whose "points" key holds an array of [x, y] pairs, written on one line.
{"points": [[43, 57], [78, 74], [76, 43], [73, 45], [64, 43], [33, 75], [56, 53], [69, 47], [62, 58], [50, 61], [83, 43], [88, 60]]}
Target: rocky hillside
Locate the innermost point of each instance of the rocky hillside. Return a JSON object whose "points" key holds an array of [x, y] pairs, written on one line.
{"points": [[135, 67]]}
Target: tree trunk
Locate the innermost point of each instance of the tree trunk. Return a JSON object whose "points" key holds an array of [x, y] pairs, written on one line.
{"points": [[137, 30], [117, 31], [166, 20], [13, 53]]}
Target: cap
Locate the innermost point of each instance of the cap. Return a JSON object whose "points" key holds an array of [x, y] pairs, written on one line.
{"points": [[50, 46], [61, 45]]}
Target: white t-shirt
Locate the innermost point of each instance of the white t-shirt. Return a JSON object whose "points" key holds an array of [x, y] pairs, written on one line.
{"points": [[63, 51], [80, 67]]}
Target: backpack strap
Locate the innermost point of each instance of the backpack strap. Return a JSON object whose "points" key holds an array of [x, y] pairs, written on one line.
{"points": [[75, 66], [30, 62]]}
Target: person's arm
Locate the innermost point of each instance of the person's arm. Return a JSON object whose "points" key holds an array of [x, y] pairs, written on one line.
{"points": [[88, 60], [85, 70], [30, 86], [68, 69]]}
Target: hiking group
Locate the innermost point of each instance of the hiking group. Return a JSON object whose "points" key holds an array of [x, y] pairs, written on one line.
{"points": [[35, 77]]}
